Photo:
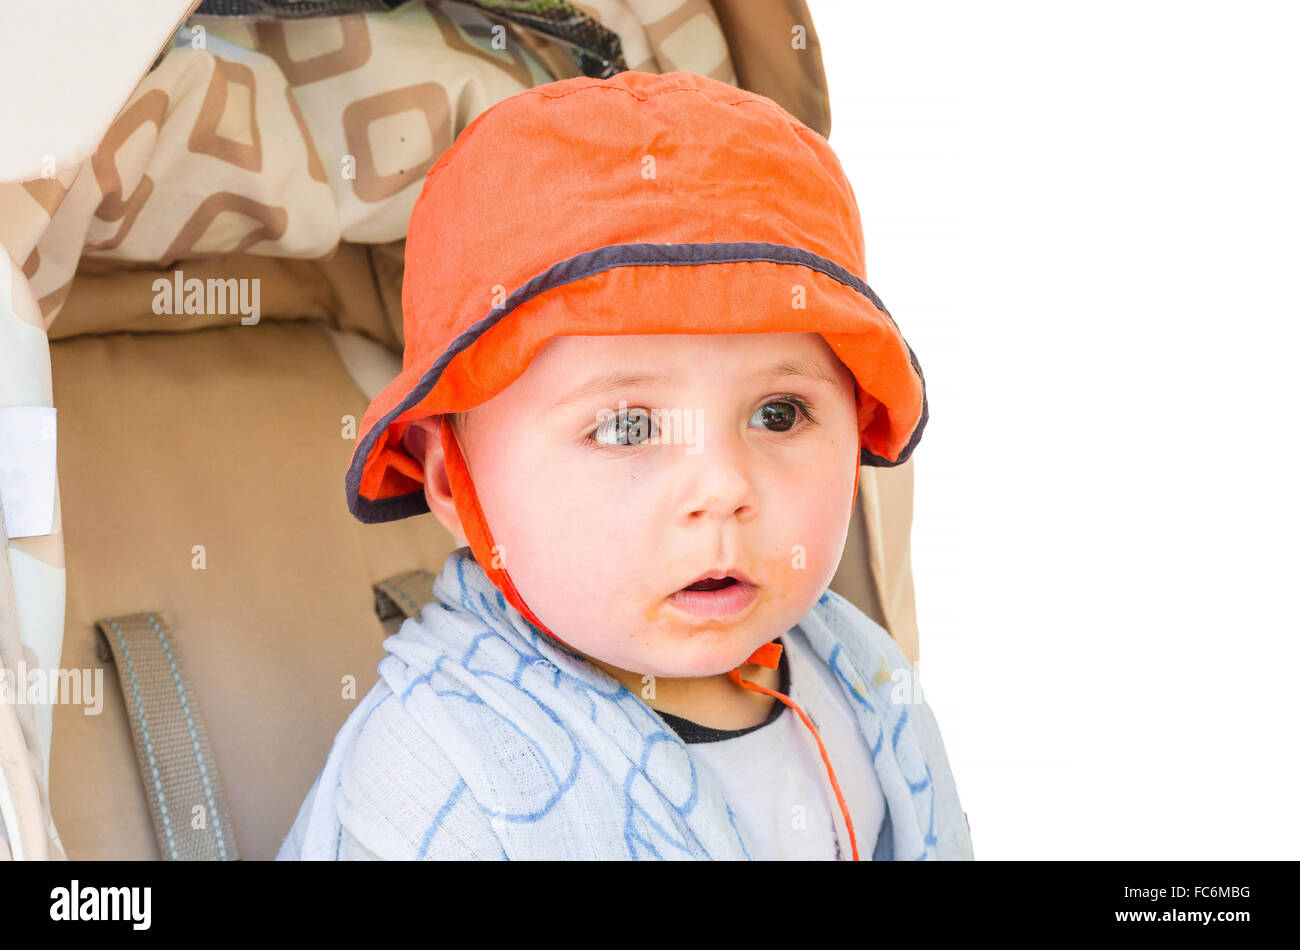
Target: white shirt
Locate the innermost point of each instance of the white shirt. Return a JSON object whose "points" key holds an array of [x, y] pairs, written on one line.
{"points": [[773, 776]]}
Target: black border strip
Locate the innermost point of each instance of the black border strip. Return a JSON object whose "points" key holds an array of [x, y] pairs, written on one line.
{"points": [[587, 264]]}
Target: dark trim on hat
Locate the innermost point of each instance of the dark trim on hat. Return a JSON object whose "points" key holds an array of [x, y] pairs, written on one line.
{"points": [[578, 267]]}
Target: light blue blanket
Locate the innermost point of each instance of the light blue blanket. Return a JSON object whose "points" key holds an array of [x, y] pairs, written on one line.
{"points": [[486, 739]]}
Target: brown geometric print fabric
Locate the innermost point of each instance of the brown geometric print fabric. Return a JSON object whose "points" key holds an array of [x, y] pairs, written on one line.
{"points": [[595, 48], [285, 137]]}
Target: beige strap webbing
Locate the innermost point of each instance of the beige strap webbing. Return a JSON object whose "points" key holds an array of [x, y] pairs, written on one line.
{"points": [[404, 593], [181, 783]]}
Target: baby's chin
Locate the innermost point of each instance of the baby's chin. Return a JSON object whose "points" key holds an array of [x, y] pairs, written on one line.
{"points": [[702, 653]]}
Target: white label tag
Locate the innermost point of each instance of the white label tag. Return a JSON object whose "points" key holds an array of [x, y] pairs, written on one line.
{"points": [[27, 469]]}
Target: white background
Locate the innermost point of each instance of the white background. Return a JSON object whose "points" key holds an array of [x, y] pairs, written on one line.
{"points": [[1085, 219]]}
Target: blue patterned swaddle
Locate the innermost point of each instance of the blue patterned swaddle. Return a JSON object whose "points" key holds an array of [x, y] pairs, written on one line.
{"points": [[484, 738]]}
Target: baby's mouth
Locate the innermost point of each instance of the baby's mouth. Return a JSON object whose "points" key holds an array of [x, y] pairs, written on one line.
{"points": [[712, 583], [717, 598]]}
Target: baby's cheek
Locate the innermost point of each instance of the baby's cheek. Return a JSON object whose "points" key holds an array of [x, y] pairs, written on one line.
{"points": [[785, 574], [813, 540]]}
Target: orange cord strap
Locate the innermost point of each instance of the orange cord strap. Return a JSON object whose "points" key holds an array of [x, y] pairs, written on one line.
{"points": [[769, 658], [477, 533]]}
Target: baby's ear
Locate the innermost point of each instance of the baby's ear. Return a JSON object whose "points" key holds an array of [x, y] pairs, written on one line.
{"points": [[423, 440], [416, 436]]}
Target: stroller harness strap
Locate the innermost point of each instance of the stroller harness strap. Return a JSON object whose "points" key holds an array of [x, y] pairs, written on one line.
{"points": [[181, 783], [405, 593]]}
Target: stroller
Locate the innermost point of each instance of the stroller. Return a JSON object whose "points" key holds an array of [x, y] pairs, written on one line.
{"points": [[205, 228]]}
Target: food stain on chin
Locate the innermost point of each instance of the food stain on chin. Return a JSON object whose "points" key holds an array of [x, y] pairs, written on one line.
{"points": [[772, 573], [656, 613]]}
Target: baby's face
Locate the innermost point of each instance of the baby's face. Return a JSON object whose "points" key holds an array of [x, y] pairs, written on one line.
{"points": [[714, 464]]}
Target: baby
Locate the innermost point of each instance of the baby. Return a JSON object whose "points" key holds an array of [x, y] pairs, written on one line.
{"points": [[602, 530], [648, 441]]}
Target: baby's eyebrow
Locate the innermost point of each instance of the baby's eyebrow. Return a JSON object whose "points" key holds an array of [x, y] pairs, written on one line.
{"points": [[608, 382], [793, 367]]}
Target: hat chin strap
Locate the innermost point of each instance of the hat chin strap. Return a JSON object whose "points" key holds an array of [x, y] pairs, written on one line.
{"points": [[476, 529], [769, 655], [480, 541]]}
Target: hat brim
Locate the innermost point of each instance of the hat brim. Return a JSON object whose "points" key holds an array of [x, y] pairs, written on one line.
{"points": [[635, 289]]}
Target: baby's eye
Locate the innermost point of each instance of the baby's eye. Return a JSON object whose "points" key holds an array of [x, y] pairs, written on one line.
{"points": [[639, 427], [782, 414]]}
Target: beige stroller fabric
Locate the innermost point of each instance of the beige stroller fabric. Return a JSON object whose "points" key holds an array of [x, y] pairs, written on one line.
{"points": [[232, 231]]}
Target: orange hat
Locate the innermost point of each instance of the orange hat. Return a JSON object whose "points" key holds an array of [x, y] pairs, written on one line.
{"points": [[642, 203]]}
